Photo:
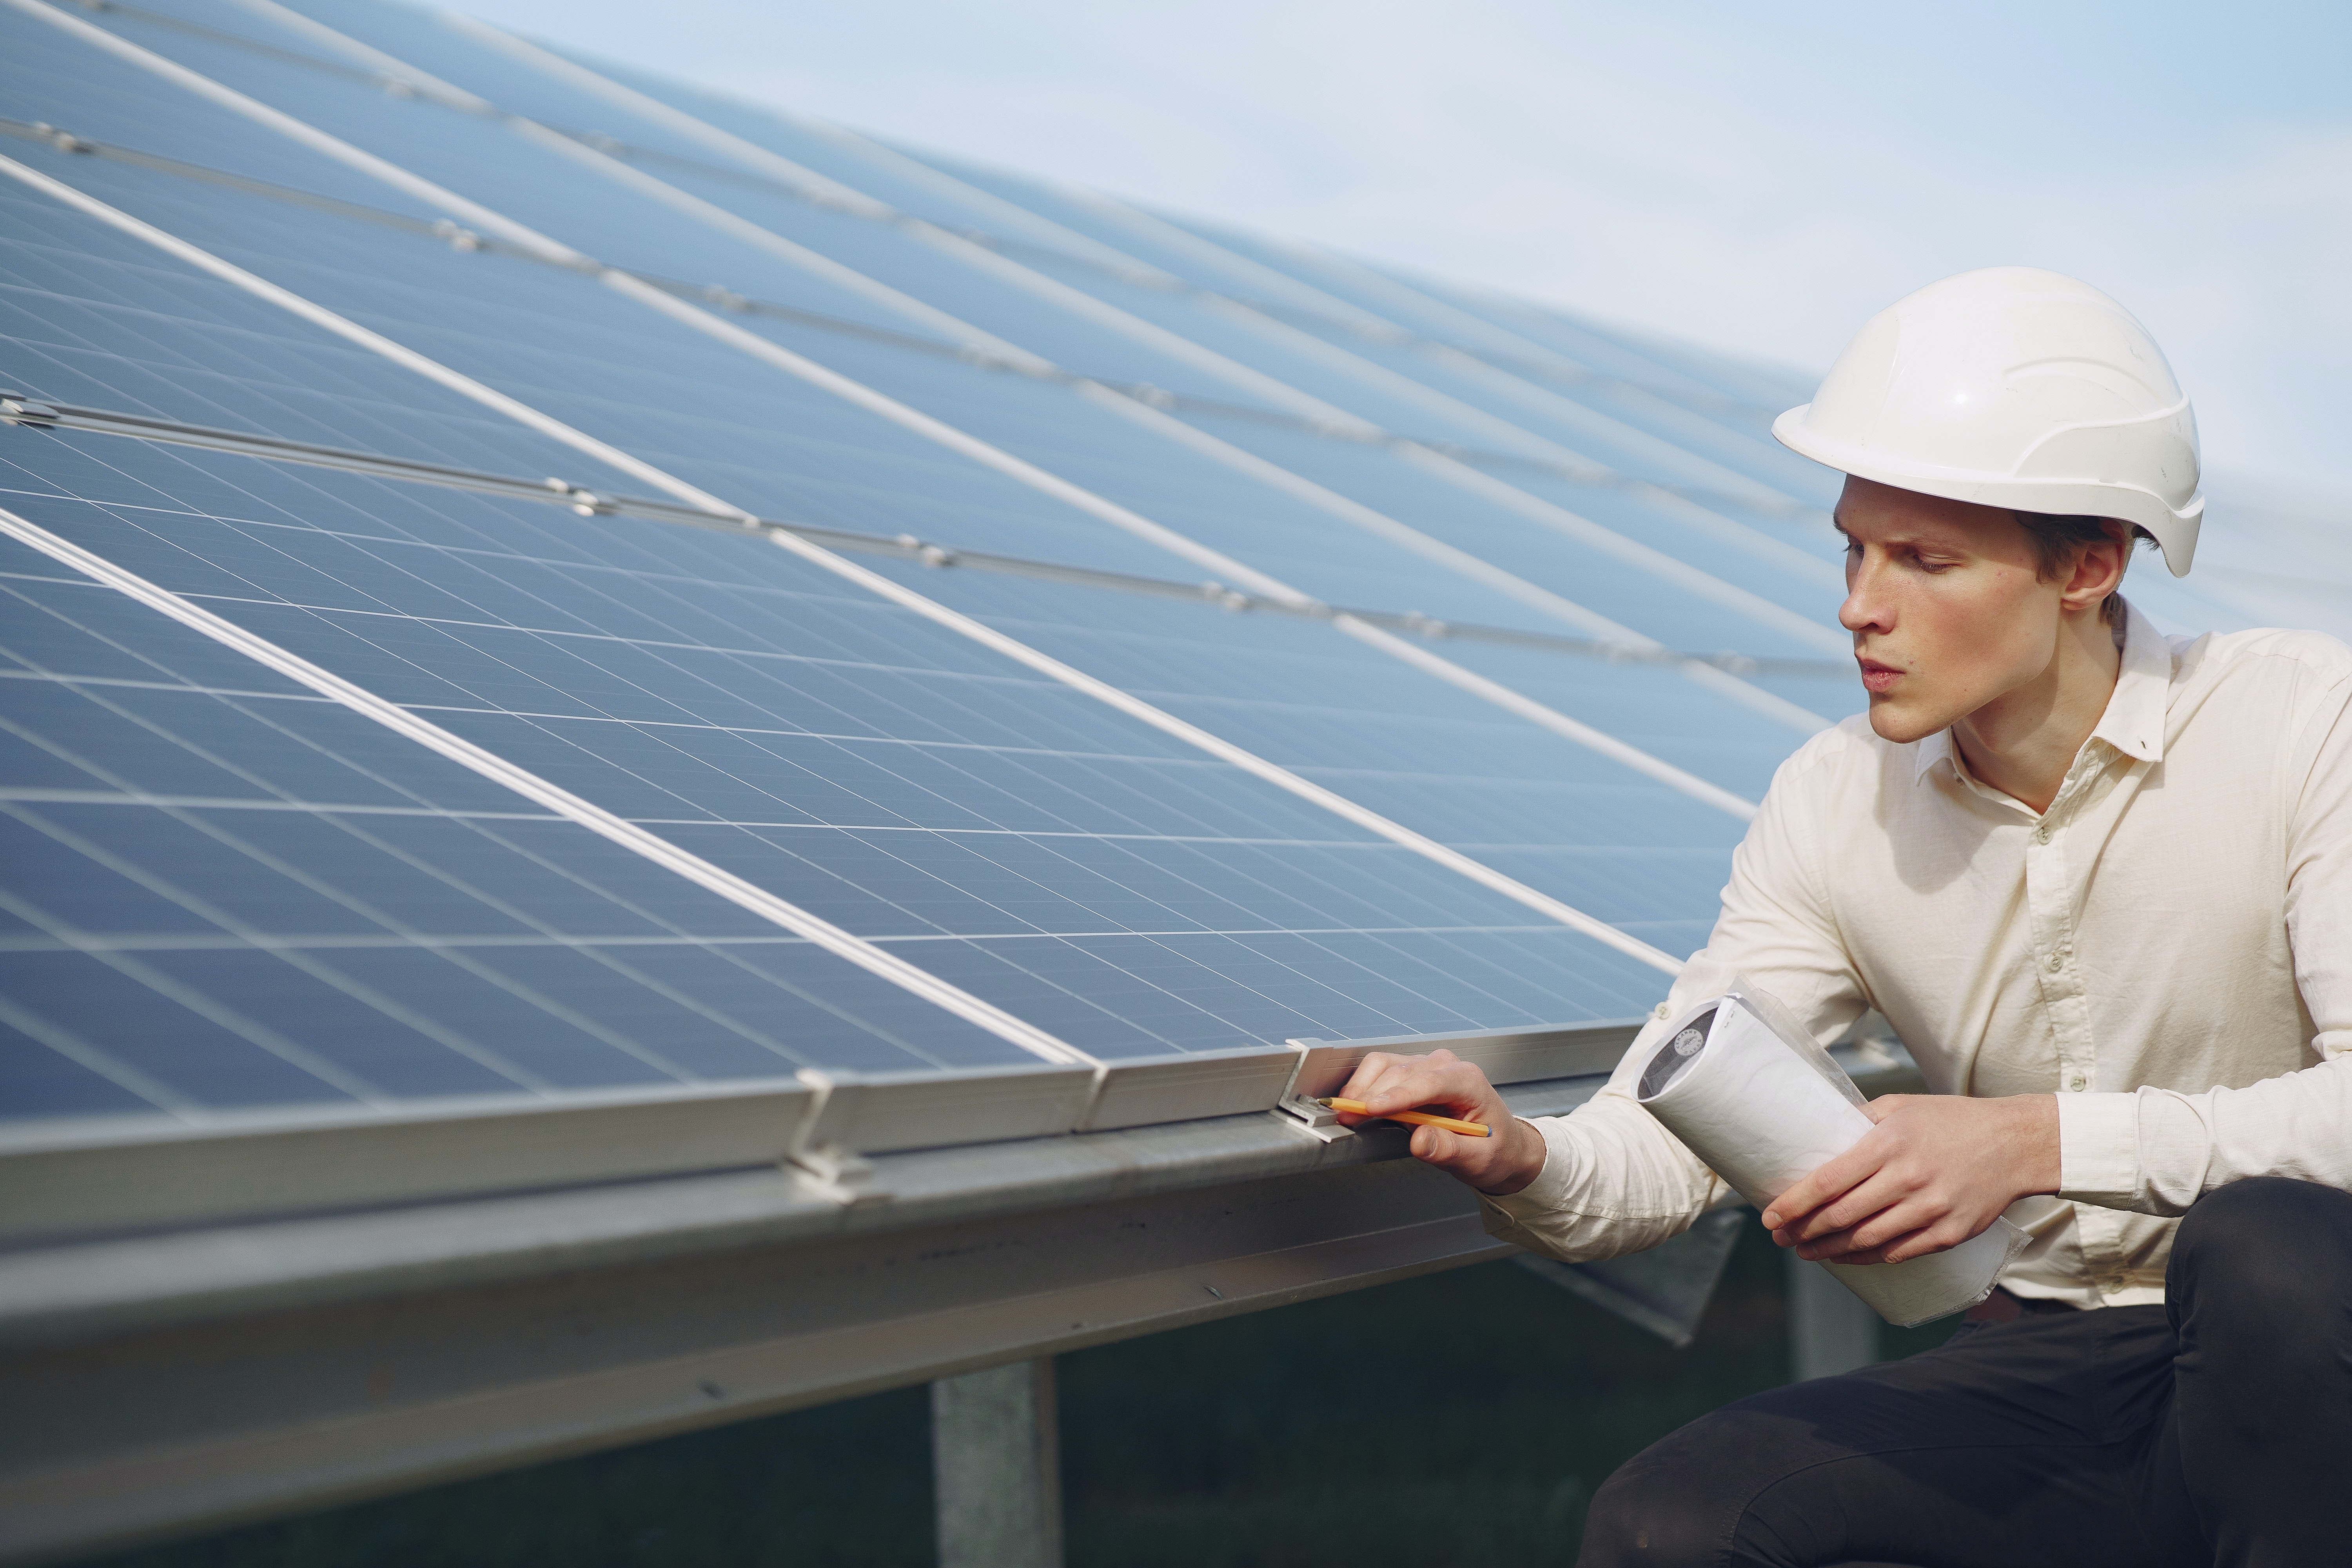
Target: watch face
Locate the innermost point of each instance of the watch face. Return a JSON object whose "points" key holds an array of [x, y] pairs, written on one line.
{"points": [[1675, 1056]]}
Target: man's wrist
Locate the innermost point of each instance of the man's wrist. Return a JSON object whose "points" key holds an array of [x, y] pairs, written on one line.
{"points": [[2034, 1137], [1526, 1152]]}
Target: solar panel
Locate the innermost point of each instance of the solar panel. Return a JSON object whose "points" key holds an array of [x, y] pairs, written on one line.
{"points": [[186, 546], [1140, 825], [224, 891], [544, 187], [1012, 837]]}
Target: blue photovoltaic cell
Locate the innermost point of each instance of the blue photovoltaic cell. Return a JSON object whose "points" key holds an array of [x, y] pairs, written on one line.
{"points": [[1676, 404], [1214, 505], [221, 889], [270, 899], [537, 185], [1019, 838], [1541, 809], [998, 829], [1171, 1007], [1464, 603]]}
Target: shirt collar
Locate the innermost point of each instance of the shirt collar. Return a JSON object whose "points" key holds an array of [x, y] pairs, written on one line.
{"points": [[2133, 721], [1928, 752]]}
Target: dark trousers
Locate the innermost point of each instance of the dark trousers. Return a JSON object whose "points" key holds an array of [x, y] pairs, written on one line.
{"points": [[2215, 1429]]}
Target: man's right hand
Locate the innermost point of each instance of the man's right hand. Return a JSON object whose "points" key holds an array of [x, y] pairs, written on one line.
{"points": [[1496, 1165]]}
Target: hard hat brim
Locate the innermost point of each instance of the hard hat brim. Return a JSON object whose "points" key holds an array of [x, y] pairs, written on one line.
{"points": [[2174, 531]]}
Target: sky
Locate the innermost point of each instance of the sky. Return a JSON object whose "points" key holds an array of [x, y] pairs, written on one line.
{"points": [[1753, 179]]}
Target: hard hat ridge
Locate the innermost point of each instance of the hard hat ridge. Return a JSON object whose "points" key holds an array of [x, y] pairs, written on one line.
{"points": [[2016, 387]]}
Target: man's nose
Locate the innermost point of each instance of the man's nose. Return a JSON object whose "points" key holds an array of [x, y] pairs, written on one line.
{"points": [[1864, 609]]}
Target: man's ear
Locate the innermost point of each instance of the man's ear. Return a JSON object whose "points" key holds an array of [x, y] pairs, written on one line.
{"points": [[2098, 569]]}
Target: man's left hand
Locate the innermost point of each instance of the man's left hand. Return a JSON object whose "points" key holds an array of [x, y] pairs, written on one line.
{"points": [[1935, 1170]]}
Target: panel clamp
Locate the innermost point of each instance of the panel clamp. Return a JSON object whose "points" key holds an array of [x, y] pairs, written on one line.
{"points": [[1320, 1122], [842, 1174], [15, 408]]}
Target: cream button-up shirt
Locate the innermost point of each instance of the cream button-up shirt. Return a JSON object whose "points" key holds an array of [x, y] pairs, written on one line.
{"points": [[2168, 949]]}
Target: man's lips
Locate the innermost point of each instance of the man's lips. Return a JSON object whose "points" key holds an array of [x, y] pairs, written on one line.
{"points": [[1877, 677]]}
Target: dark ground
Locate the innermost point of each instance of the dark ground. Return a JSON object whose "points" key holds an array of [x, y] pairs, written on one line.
{"points": [[1461, 1418]]}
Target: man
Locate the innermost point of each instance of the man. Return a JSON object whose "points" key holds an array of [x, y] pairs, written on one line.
{"points": [[2100, 880]]}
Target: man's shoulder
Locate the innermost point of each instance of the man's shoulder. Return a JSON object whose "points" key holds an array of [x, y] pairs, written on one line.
{"points": [[2265, 652], [1847, 752]]}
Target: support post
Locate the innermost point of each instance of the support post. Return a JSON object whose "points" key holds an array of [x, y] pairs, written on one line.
{"points": [[996, 1466], [1831, 1329]]}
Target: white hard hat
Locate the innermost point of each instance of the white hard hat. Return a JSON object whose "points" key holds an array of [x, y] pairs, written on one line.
{"points": [[2013, 387]]}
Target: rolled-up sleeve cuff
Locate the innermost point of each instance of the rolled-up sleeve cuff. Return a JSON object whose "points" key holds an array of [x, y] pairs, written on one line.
{"points": [[1549, 1191], [2098, 1148]]}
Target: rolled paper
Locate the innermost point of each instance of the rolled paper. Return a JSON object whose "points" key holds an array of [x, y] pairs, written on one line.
{"points": [[1763, 1111]]}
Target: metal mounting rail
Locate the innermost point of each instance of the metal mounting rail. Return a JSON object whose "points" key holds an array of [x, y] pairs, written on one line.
{"points": [[34, 413]]}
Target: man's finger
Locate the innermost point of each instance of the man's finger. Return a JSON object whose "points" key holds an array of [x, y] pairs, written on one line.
{"points": [[1871, 1207], [1375, 1065], [1438, 1076], [1866, 1203], [1437, 1145], [1451, 1088], [1827, 1182], [1902, 1249]]}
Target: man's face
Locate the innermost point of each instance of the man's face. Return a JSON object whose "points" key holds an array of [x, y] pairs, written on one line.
{"points": [[1946, 606]]}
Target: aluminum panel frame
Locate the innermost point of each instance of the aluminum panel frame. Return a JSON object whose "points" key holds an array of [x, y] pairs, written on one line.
{"points": [[116, 1174], [1184, 1089], [1507, 1055], [881, 1113]]}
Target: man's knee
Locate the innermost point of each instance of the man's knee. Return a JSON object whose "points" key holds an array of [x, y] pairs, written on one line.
{"points": [[1656, 1512], [1681, 1503], [2266, 1246]]}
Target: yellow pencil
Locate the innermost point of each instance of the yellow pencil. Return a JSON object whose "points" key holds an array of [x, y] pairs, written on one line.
{"points": [[1418, 1118]]}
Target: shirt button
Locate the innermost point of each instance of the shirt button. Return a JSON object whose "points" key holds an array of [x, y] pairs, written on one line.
{"points": [[2057, 964], [2076, 1082], [2041, 833], [1663, 1011]]}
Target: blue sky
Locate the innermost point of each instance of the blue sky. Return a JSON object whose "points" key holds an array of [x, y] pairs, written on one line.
{"points": [[1758, 179]]}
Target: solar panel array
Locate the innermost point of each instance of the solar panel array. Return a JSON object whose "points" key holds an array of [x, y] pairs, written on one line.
{"points": [[326, 787]]}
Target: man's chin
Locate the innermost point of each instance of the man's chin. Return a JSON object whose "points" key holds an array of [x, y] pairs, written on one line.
{"points": [[1901, 722]]}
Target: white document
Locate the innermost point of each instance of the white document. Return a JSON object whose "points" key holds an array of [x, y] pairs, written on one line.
{"points": [[1762, 1111]]}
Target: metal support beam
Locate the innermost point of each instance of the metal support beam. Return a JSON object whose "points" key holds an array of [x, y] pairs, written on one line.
{"points": [[185, 1382], [996, 1467], [175, 1380], [1831, 1329]]}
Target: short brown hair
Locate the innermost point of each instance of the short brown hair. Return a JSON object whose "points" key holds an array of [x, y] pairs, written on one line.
{"points": [[2057, 536]]}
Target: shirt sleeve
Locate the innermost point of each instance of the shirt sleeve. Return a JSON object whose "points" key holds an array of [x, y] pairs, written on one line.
{"points": [[2158, 1150], [1614, 1180]]}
